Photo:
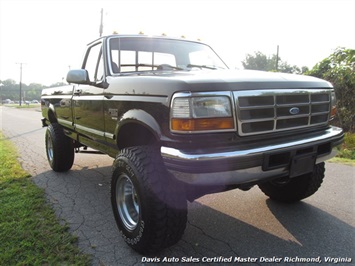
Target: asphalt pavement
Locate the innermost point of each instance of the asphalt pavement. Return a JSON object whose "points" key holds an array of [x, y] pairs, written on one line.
{"points": [[244, 227]]}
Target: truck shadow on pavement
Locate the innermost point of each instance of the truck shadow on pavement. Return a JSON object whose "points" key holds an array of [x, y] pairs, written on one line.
{"points": [[81, 198], [316, 231], [293, 230]]}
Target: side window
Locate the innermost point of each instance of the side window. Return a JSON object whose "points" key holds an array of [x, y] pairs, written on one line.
{"points": [[94, 63]]}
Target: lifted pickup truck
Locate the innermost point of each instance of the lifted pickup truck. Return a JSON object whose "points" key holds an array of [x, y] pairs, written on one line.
{"points": [[179, 124]]}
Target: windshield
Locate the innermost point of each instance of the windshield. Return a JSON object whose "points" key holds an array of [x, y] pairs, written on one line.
{"points": [[134, 54]]}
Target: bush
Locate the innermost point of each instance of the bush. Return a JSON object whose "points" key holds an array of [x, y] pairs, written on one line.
{"points": [[347, 149], [339, 69]]}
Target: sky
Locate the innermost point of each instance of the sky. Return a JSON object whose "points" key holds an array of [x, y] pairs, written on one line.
{"points": [[50, 36]]}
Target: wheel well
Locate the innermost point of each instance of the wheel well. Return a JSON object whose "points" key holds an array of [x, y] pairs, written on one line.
{"points": [[134, 135], [51, 117]]}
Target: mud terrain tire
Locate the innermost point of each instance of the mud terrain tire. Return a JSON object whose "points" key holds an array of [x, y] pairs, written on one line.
{"points": [[149, 206], [59, 148]]}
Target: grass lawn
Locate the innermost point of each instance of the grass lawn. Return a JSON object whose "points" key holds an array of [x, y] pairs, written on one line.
{"points": [[346, 152], [30, 233]]}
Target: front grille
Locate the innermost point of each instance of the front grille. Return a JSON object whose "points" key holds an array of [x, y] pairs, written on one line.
{"points": [[265, 111]]}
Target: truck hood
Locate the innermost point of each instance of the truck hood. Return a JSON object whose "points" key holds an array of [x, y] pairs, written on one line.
{"points": [[211, 80], [247, 76]]}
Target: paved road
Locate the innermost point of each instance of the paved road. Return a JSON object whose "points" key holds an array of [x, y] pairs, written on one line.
{"points": [[232, 224]]}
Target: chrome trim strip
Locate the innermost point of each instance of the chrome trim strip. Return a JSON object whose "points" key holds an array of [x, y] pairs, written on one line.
{"points": [[65, 122], [268, 92], [96, 132], [141, 98], [90, 130], [175, 154], [109, 135]]}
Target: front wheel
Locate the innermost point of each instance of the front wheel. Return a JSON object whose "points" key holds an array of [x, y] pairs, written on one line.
{"points": [[59, 148], [148, 204], [297, 188]]}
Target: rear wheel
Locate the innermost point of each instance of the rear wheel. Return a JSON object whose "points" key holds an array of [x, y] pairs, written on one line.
{"points": [[59, 148], [297, 188], [149, 206]]}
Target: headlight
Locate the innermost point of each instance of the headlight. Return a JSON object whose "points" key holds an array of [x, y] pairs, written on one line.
{"points": [[198, 114]]}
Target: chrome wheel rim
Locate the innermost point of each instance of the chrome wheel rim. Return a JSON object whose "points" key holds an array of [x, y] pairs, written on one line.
{"points": [[49, 147], [127, 202]]}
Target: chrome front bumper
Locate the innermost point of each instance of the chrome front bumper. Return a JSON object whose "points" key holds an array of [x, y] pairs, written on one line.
{"points": [[247, 165]]}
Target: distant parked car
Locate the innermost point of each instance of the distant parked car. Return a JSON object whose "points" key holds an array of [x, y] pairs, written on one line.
{"points": [[7, 101], [35, 101]]}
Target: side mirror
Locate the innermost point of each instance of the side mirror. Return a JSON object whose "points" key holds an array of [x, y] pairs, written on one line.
{"points": [[78, 76]]}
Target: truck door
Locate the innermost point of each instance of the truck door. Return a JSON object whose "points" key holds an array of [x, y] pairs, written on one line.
{"points": [[88, 100], [62, 101]]}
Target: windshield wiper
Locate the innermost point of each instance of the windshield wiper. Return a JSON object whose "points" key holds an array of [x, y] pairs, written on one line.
{"points": [[168, 67], [158, 67], [201, 66]]}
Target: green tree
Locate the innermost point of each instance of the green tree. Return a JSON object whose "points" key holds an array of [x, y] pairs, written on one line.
{"points": [[11, 90], [259, 61], [339, 69], [33, 91]]}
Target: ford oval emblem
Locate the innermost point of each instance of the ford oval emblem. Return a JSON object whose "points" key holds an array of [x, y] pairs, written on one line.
{"points": [[294, 110]]}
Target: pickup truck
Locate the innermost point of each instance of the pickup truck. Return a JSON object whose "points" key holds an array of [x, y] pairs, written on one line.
{"points": [[179, 125]]}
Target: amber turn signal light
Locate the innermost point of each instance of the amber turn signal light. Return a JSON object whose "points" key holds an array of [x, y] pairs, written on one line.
{"points": [[333, 112], [201, 124]]}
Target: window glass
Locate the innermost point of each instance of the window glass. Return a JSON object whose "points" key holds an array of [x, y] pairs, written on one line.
{"points": [[94, 63], [201, 58], [100, 69], [160, 58], [145, 60], [132, 54], [128, 61]]}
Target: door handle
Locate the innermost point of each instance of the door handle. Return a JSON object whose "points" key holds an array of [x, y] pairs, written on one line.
{"points": [[78, 92]]}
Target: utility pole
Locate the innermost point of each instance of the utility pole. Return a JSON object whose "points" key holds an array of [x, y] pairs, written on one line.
{"points": [[101, 23], [277, 58], [1, 85], [20, 81]]}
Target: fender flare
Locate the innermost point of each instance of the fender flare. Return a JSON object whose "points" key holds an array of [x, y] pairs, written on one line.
{"points": [[51, 110], [141, 117]]}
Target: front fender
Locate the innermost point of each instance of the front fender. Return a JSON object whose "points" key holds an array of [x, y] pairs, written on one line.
{"points": [[141, 117], [51, 114]]}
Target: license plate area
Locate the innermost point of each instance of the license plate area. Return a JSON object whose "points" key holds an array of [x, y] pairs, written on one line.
{"points": [[302, 164], [298, 162]]}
